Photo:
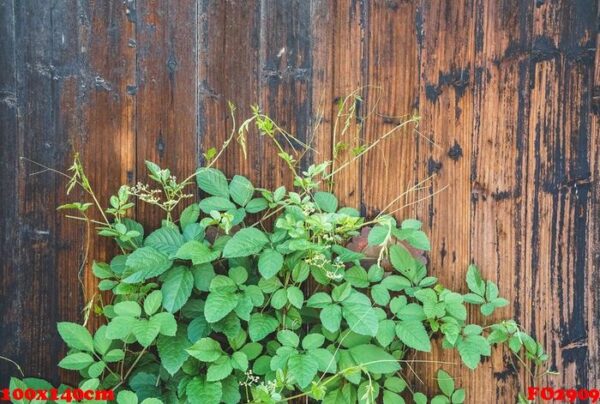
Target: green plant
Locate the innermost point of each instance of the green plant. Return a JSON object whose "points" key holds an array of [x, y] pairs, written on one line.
{"points": [[213, 307]]}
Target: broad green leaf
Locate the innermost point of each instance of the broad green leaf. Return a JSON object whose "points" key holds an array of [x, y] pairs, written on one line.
{"points": [[375, 359], [357, 277], [152, 302], [241, 190], [231, 390], [146, 262], [177, 288], [127, 397], [114, 355], [303, 368], [380, 295], [458, 397], [471, 348], [217, 203], [319, 300], [219, 369], [198, 328], [295, 296], [313, 341], [331, 317], [197, 252], [172, 350], [219, 304], [288, 338], [445, 382], [420, 398], [395, 384], [326, 201], [76, 336], [145, 332], [257, 205], [386, 332], [189, 215], [128, 309], [414, 335], [239, 361], [360, 315], [269, 263], [120, 327], [378, 234], [166, 322], [261, 325], [213, 182], [203, 276], [206, 350], [167, 240], [402, 260], [245, 242], [101, 342], [390, 397], [474, 281], [76, 361], [200, 391]]}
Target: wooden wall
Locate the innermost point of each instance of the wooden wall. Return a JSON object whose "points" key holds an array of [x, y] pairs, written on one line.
{"points": [[508, 91]]}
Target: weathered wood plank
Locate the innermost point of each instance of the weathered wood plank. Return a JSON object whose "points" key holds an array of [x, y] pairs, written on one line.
{"points": [[501, 78], [445, 31], [558, 188], [167, 67], [40, 291], [10, 296]]}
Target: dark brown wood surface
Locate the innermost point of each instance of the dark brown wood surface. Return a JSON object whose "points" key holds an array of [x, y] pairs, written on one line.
{"points": [[509, 98]]}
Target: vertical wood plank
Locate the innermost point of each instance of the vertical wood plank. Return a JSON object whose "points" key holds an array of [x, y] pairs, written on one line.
{"points": [[40, 291], [99, 115], [558, 186], [349, 78], [501, 80], [285, 75], [446, 34], [167, 92], [10, 296]]}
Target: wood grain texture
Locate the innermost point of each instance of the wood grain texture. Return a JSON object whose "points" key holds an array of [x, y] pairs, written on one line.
{"points": [[508, 93]]}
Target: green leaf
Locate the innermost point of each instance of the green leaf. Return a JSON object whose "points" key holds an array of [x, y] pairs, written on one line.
{"points": [[203, 276], [380, 295], [313, 341], [378, 235], [245, 242], [145, 331], [257, 205], [219, 369], [205, 350], [359, 314], [420, 398], [167, 240], [172, 351], [326, 201], [413, 334], [239, 361], [152, 302], [166, 322], [261, 325], [146, 262], [177, 288], [471, 348], [241, 190], [375, 359], [219, 304], [270, 263], [458, 397], [120, 327], [197, 252], [114, 355], [402, 260], [128, 308], [200, 391], [213, 182], [386, 332], [445, 382], [76, 361], [395, 384], [304, 368], [288, 338], [96, 369], [319, 300], [295, 296], [101, 270], [419, 240], [76, 336], [474, 281], [189, 215], [440, 399], [217, 203], [127, 397], [331, 317]]}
